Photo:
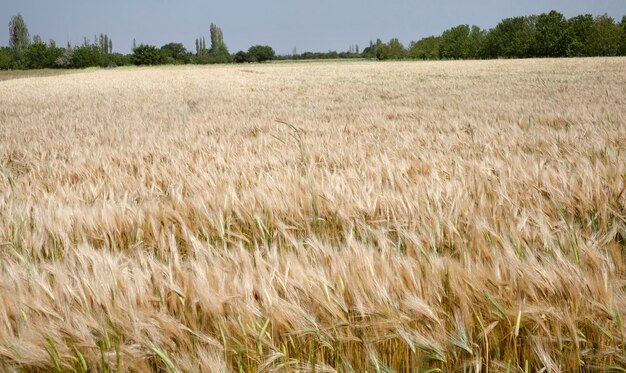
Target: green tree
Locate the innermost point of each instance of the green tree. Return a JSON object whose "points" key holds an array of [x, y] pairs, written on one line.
{"points": [[243, 57], [476, 39], [550, 35], [217, 39], [148, 55], [370, 51], [425, 49], [52, 54], [604, 39], [175, 53], [6, 58], [116, 59], [39, 55], [19, 38], [622, 43], [394, 50], [455, 43], [511, 38], [105, 44], [87, 56], [261, 53], [66, 58], [578, 30], [36, 54]]}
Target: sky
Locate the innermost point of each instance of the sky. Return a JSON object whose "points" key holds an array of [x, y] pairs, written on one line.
{"points": [[308, 25]]}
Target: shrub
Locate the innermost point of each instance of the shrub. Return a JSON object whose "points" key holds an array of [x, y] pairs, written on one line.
{"points": [[176, 53], [212, 58], [116, 59], [243, 57], [65, 59], [148, 55], [6, 58], [261, 53], [87, 56]]}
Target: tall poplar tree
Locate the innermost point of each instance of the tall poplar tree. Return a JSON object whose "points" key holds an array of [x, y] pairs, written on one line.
{"points": [[217, 38], [19, 38]]}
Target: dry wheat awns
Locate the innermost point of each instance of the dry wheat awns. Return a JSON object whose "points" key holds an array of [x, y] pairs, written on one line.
{"points": [[454, 216]]}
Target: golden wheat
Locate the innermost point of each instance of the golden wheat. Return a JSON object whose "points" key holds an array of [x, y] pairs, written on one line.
{"points": [[315, 217]]}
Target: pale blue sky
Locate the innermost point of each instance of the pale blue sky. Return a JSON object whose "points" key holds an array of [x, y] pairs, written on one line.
{"points": [[308, 25]]}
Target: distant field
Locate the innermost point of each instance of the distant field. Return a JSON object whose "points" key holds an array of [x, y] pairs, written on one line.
{"points": [[354, 216], [18, 74]]}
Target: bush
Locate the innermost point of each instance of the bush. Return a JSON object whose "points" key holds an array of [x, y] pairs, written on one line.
{"points": [[426, 48], [6, 59], [148, 55], [212, 58], [87, 56], [261, 53], [394, 50], [176, 53], [116, 59], [243, 57], [65, 59], [36, 55]]}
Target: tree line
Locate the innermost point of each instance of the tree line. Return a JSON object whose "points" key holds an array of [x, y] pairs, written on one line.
{"points": [[545, 35], [26, 53]]}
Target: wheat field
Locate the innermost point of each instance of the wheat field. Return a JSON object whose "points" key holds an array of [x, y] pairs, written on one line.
{"points": [[354, 216]]}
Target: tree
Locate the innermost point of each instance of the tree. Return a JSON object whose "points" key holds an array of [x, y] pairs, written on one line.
{"points": [[455, 43], [175, 53], [36, 54], [52, 54], [425, 49], [105, 44], [604, 39], [19, 38], [578, 30], [116, 59], [261, 53], [622, 44], [66, 58], [370, 51], [148, 55], [243, 57], [550, 36], [6, 58], [394, 50], [87, 56], [475, 43], [217, 39], [511, 38]]}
